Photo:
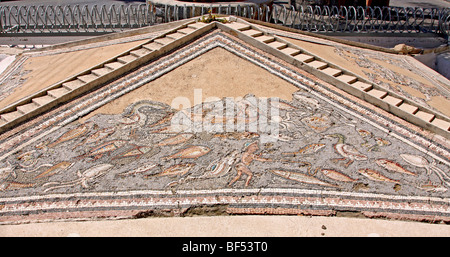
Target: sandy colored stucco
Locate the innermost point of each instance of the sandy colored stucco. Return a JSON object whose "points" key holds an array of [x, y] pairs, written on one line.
{"points": [[218, 73], [328, 53], [440, 102], [43, 71], [347, 61], [232, 226]]}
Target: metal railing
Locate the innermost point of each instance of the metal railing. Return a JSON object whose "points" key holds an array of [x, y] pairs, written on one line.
{"points": [[54, 19], [329, 19], [364, 19], [74, 18]]}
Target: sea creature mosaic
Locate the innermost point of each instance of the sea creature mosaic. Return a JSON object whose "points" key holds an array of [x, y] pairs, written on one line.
{"points": [[315, 154], [319, 148]]}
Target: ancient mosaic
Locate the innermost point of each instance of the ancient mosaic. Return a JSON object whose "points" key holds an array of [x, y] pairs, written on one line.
{"points": [[317, 154]]}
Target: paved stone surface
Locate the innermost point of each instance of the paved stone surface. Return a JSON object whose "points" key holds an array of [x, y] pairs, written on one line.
{"points": [[232, 226]]}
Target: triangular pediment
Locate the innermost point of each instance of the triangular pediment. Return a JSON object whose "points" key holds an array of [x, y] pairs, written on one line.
{"points": [[298, 142], [217, 73]]}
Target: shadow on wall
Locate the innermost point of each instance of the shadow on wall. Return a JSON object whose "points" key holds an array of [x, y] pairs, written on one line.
{"points": [[437, 62], [443, 64]]}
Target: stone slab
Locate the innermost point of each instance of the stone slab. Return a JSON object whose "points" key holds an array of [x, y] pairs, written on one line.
{"points": [[408, 108], [361, 85], [10, 116], [445, 125], [424, 116], [27, 107], [265, 39], [304, 57], [377, 93], [164, 40], [140, 52], [176, 35], [88, 78], [392, 100], [113, 65], [101, 71], [186, 30], [43, 100], [74, 84], [347, 78], [317, 64], [331, 71], [197, 25], [153, 46], [238, 26], [252, 32], [127, 58], [290, 51], [277, 45], [56, 93]]}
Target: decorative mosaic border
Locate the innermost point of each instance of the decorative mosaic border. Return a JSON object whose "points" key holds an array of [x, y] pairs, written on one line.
{"points": [[237, 201]]}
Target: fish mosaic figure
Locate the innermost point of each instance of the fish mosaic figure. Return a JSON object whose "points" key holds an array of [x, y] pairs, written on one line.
{"points": [[12, 185], [429, 187], [218, 168], [376, 176], [178, 139], [55, 169], [364, 133], [421, 162], [167, 118], [136, 152], [136, 116], [105, 148], [84, 178], [237, 135], [72, 134], [336, 175], [300, 177], [141, 169], [174, 170], [97, 136], [192, 152], [308, 149], [317, 123], [379, 142], [393, 166], [349, 152]]}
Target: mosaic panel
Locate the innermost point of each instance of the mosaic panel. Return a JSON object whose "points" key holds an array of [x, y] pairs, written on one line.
{"points": [[318, 154]]}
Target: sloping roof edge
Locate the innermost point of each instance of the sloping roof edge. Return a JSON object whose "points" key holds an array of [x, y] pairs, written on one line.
{"points": [[346, 80], [86, 80]]}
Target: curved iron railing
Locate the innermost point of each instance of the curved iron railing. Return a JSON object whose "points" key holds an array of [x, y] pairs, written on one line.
{"points": [[329, 18], [350, 19], [74, 18], [363, 19]]}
